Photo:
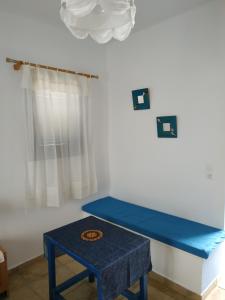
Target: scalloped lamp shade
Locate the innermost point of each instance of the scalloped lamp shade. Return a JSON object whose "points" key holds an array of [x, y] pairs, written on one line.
{"points": [[101, 19]]}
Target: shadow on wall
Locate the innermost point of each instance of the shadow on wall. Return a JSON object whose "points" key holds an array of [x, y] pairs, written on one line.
{"points": [[7, 208], [20, 246]]}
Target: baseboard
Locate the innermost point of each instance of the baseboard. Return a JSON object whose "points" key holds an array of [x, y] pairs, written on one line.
{"points": [[211, 287], [27, 263], [166, 285]]}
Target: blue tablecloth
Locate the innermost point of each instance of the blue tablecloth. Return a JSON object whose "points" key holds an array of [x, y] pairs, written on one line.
{"points": [[120, 258]]}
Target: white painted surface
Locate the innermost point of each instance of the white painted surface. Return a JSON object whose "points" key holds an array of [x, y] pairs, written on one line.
{"points": [[190, 271], [213, 267], [182, 61], [178, 266], [149, 12], [21, 38]]}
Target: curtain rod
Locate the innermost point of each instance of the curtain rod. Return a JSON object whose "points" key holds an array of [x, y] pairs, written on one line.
{"points": [[18, 63]]}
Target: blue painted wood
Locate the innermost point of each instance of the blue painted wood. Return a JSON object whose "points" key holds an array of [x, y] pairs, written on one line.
{"points": [[144, 287], [51, 269], [79, 259], [54, 291], [131, 296], [99, 289], [146, 99], [91, 277], [59, 297], [172, 120], [68, 283]]}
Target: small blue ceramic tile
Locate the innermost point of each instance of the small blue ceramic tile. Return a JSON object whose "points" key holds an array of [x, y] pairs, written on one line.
{"points": [[167, 127], [141, 99]]}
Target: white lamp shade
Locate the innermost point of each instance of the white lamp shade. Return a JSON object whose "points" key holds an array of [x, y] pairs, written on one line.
{"points": [[101, 19]]}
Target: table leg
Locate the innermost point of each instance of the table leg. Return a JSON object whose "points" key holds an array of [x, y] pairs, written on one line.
{"points": [[91, 277], [99, 288], [144, 287], [51, 269]]}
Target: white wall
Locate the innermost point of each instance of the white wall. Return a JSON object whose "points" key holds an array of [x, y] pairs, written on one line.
{"points": [[182, 61], [21, 38]]}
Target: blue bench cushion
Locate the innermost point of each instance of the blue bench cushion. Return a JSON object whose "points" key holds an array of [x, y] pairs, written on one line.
{"points": [[192, 237]]}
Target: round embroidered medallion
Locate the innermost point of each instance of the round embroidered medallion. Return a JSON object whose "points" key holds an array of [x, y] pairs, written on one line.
{"points": [[91, 235]]}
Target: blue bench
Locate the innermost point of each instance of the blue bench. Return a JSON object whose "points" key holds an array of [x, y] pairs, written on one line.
{"points": [[192, 237]]}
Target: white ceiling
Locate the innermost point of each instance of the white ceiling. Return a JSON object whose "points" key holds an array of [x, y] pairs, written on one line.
{"points": [[149, 12]]}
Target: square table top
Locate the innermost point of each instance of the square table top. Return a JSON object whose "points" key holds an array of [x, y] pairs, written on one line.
{"points": [[116, 242]]}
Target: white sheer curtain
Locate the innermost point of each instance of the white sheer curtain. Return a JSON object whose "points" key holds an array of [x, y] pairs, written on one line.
{"points": [[60, 158]]}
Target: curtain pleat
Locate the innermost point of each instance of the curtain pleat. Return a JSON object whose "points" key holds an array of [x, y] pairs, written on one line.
{"points": [[60, 158]]}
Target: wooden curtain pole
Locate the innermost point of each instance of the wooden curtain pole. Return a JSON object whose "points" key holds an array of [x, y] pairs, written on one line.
{"points": [[18, 63]]}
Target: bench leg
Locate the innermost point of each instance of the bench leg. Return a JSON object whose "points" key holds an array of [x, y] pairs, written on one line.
{"points": [[51, 269], [144, 287]]}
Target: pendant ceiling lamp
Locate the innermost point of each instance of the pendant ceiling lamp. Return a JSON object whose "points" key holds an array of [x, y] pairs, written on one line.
{"points": [[101, 19]]}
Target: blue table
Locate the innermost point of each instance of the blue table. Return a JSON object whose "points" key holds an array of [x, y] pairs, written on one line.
{"points": [[117, 259]]}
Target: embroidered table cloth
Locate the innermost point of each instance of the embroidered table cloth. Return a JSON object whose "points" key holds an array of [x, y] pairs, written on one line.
{"points": [[118, 257]]}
